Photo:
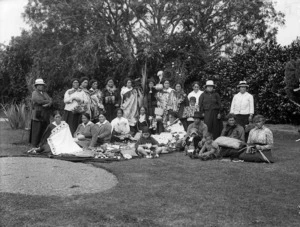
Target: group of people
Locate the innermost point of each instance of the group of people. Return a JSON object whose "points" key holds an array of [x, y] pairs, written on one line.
{"points": [[96, 116]]}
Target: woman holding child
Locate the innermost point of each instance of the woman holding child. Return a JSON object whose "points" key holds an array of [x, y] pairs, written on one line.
{"points": [[76, 102], [196, 92]]}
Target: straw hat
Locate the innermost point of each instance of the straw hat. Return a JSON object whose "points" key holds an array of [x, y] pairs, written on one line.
{"points": [[39, 81], [209, 83], [243, 83]]}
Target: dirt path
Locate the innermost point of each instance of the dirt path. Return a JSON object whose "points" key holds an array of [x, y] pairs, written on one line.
{"points": [[42, 176]]}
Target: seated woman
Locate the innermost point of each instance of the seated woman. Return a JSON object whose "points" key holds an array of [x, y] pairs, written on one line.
{"points": [[147, 146], [260, 143], [120, 128], [57, 138], [142, 121], [232, 130], [103, 129], [85, 131]]}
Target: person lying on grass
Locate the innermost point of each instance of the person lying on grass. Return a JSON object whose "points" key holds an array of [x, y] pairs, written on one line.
{"points": [[210, 149], [147, 146]]}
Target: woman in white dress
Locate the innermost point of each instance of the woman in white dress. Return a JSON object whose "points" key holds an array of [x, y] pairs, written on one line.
{"points": [[120, 127], [196, 92]]}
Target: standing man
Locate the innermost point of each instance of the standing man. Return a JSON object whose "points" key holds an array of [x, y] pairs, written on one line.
{"points": [[242, 105]]}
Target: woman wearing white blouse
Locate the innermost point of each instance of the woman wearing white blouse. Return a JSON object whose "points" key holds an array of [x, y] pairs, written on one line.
{"points": [[73, 98], [242, 105], [196, 92], [120, 127]]}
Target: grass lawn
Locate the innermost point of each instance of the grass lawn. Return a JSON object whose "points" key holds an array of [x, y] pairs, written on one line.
{"points": [[170, 191]]}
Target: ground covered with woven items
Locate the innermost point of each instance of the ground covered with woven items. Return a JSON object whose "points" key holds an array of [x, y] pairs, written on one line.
{"points": [[172, 190]]}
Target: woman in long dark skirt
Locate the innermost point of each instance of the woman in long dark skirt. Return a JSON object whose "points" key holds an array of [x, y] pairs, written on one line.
{"points": [[210, 105], [74, 100], [41, 102], [111, 98]]}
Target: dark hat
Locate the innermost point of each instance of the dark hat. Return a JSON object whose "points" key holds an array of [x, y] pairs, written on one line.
{"points": [[145, 130], [198, 115]]}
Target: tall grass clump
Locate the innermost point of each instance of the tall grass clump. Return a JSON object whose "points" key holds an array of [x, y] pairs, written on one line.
{"points": [[18, 115]]}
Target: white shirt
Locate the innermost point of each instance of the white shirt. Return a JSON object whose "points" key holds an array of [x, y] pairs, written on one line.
{"points": [[196, 95], [70, 96], [242, 104], [120, 125]]}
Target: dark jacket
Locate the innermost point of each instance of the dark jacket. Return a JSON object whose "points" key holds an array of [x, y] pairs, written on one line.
{"points": [[209, 101], [40, 113]]}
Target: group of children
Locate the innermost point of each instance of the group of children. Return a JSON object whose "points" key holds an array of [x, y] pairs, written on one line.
{"points": [[194, 145]]}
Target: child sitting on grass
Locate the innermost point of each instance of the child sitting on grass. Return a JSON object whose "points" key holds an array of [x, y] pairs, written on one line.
{"points": [[210, 149], [147, 146]]}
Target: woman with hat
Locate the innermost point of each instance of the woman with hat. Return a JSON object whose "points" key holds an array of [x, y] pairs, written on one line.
{"points": [[111, 98], [74, 99], [41, 102], [242, 105], [210, 105]]}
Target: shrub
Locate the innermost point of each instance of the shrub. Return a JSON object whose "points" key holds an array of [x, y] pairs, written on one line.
{"points": [[18, 115]]}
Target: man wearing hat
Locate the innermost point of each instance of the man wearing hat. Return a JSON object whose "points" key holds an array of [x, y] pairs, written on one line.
{"points": [[41, 102], [242, 105], [197, 130]]}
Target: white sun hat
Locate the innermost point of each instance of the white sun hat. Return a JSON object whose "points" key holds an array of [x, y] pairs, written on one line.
{"points": [[39, 81], [209, 83]]}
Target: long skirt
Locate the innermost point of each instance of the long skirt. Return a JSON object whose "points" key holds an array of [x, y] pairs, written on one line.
{"points": [[72, 119], [214, 124], [36, 132], [231, 153], [110, 112], [257, 157], [242, 119]]}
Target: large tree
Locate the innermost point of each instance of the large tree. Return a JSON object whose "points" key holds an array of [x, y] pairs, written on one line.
{"points": [[128, 31], [121, 37]]}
